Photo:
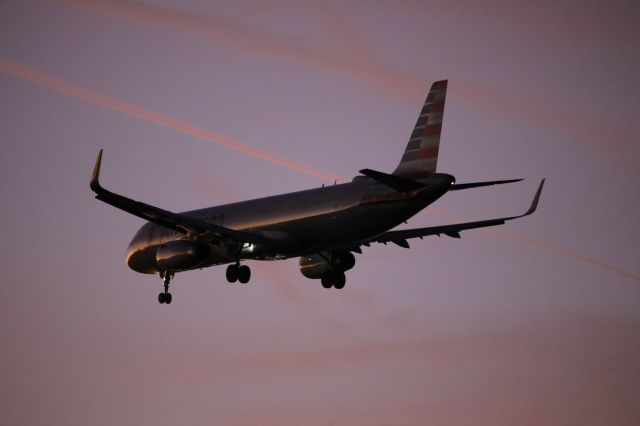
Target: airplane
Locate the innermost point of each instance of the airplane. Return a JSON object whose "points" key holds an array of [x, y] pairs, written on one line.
{"points": [[322, 226]]}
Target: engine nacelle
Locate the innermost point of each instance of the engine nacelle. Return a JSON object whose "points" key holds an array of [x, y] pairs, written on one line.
{"points": [[181, 255], [316, 266]]}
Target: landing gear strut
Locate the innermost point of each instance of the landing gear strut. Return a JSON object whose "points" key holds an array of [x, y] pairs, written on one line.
{"points": [[166, 279], [237, 272]]}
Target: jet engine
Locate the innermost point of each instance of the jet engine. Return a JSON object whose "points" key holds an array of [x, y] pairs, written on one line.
{"points": [[181, 255], [317, 265]]}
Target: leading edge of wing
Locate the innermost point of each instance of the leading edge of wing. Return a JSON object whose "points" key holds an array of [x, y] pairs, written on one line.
{"points": [[176, 221], [400, 237]]}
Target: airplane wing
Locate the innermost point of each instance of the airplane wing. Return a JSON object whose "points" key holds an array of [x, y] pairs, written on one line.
{"points": [[400, 237], [182, 223]]}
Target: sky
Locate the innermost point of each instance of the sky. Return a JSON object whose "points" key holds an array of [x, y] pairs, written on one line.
{"points": [[198, 103]]}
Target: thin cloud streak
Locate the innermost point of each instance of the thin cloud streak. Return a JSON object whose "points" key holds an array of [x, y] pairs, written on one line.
{"points": [[550, 248], [544, 246], [358, 64], [148, 115], [236, 36], [337, 26], [157, 118]]}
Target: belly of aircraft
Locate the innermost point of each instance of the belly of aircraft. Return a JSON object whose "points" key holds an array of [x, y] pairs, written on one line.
{"points": [[344, 226], [298, 237]]}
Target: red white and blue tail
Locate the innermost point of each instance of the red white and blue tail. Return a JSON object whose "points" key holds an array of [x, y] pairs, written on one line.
{"points": [[421, 155]]}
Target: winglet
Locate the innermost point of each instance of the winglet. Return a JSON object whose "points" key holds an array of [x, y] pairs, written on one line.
{"points": [[95, 183], [534, 203]]}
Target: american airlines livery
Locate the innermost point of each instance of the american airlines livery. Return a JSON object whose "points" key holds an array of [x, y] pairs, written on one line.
{"points": [[322, 226]]}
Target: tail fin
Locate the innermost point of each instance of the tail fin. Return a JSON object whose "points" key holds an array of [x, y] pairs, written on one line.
{"points": [[421, 155]]}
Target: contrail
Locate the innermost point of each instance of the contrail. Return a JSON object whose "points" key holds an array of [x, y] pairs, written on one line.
{"points": [[283, 288], [540, 245], [235, 36], [550, 248], [359, 64], [154, 117], [349, 39]]}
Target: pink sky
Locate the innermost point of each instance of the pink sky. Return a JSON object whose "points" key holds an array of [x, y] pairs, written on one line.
{"points": [[535, 324]]}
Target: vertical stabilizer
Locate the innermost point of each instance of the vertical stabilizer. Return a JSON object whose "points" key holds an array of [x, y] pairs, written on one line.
{"points": [[421, 155]]}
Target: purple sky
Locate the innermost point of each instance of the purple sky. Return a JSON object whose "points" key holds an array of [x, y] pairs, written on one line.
{"points": [[535, 323]]}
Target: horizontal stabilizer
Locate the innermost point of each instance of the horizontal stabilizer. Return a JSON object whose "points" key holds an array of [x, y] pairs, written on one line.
{"points": [[458, 186], [398, 183]]}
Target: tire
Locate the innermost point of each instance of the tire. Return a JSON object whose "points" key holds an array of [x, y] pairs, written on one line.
{"points": [[339, 281], [327, 281], [167, 298], [232, 273], [244, 274], [161, 298]]}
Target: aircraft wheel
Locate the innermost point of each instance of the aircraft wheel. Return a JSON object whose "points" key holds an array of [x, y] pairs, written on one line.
{"points": [[339, 280], [161, 298], [232, 273], [244, 274], [167, 298], [327, 281]]}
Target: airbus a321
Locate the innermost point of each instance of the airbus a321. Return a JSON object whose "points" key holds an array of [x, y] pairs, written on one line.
{"points": [[322, 226]]}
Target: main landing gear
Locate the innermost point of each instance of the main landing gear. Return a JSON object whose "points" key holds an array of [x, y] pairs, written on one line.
{"points": [[335, 279], [237, 272], [166, 279]]}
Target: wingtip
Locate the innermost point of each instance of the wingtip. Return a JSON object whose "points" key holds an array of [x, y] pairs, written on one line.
{"points": [[440, 84], [95, 183], [536, 199]]}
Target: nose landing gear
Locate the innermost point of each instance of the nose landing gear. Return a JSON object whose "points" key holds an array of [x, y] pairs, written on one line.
{"points": [[235, 272], [165, 297]]}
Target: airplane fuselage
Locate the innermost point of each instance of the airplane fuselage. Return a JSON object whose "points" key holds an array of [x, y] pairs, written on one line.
{"points": [[322, 226], [301, 222]]}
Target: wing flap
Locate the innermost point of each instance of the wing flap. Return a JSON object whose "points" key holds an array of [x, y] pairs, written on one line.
{"points": [[452, 231]]}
